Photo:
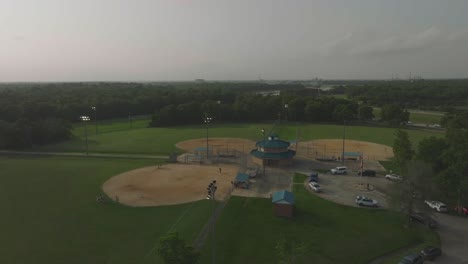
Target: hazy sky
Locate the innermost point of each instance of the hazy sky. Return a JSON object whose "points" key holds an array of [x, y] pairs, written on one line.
{"points": [[138, 40]]}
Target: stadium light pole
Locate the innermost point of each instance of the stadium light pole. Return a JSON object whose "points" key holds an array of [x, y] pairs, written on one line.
{"points": [[85, 119], [344, 136], [263, 142], [211, 196], [219, 110], [207, 120], [286, 106], [95, 118]]}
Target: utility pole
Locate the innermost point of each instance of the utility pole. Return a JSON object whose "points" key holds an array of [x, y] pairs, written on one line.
{"points": [[211, 196], [95, 118], [207, 120], [263, 142], [86, 119], [344, 136]]}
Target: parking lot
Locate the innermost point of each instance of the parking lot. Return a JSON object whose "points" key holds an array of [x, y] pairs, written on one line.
{"points": [[343, 189]]}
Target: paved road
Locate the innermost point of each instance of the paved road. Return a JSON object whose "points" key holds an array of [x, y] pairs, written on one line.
{"points": [[80, 154], [453, 231]]}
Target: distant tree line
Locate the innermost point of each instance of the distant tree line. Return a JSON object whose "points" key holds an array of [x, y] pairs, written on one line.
{"points": [[425, 94], [32, 114], [42, 113]]}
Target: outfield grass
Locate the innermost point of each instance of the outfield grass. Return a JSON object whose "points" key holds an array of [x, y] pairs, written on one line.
{"points": [[426, 117], [111, 125], [247, 231], [49, 214], [162, 140], [389, 165]]}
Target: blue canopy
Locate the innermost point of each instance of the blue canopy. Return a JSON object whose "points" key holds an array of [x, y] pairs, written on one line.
{"points": [[353, 154], [242, 177]]}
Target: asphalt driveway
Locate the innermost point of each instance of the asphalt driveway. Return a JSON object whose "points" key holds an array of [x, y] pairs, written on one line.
{"points": [[453, 231]]}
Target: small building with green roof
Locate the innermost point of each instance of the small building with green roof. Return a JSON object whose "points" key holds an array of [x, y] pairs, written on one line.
{"points": [[273, 151], [283, 203]]}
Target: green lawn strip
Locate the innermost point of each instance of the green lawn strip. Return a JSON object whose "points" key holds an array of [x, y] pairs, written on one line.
{"points": [[53, 216], [389, 165], [425, 118], [107, 126], [299, 178], [247, 231]]}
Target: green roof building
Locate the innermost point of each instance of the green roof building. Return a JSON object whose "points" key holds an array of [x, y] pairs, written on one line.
{"points": [[273, 151]]}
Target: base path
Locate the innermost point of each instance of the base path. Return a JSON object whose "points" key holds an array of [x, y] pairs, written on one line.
{"points": [[170, 184]]}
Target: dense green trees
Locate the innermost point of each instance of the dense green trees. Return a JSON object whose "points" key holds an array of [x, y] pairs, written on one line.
{"points": [[394, 115], [429, 94], [439, 168]]}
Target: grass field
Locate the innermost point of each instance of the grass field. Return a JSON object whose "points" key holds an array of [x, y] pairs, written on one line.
{"points": [[162, 140], [247, 232], [49, 214], [418, 117]]}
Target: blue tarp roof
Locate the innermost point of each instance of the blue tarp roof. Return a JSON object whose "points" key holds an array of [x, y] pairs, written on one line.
{"points": [[285, 197], [242, 177], [200, 149], [353, 154]]}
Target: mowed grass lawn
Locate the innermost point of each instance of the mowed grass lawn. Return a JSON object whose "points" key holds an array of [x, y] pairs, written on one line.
{"points": [[49, 214], [426, 117], [247, 231], [162, 140]]}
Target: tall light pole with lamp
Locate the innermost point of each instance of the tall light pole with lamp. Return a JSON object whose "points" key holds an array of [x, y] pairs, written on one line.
{"points": [[207, 120], [95, 118], [286, 107], [86, 119], [211, 196], [344, 136], [219, 110], [263, 161]]}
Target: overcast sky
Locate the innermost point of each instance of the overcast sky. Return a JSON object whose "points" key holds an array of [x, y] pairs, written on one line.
{"points": [[143, 40]]}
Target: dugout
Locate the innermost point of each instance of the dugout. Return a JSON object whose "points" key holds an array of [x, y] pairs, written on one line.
{"points": [[241, 181], [351, 155]]}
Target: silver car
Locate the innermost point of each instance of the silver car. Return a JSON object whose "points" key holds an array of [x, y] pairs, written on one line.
{"points": [[364, 201]]}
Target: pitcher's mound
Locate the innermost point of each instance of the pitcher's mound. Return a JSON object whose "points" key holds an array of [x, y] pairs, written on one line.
{"points": [[170, 184]]}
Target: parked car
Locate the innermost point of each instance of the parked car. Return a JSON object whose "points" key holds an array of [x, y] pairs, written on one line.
{"points": [[412, 259], [339, 170], [438, 206], [315, 187], [394, 177], [364, 201], [370, 173], [461, 209], [431, 253], [424, 219], [313, 176]]}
